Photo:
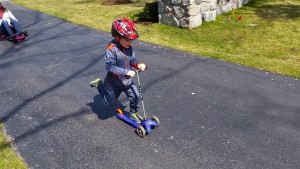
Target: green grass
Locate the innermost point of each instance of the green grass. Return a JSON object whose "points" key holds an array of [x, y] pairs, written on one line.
{"points": [[8, 159], [273, 45]]}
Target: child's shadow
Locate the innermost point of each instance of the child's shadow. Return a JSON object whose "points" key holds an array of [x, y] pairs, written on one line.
{"points": [[104, 112]]}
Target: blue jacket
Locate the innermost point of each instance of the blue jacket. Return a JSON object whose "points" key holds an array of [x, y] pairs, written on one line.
{"points": [[118, 61]]}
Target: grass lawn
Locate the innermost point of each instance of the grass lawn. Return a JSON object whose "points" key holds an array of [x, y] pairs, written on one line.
{"points": [[8, 159]]}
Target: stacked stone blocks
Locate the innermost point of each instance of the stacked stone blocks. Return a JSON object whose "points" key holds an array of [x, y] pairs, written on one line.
{"points": [[191, 13]]}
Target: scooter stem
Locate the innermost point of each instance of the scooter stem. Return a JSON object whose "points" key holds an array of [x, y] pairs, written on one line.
{"points": [[141, 95]]}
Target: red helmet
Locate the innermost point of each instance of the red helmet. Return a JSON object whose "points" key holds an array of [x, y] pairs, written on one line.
{"points": [[124, 28]]}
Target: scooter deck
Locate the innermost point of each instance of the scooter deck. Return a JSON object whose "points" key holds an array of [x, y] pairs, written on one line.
{"points": [[126, 118], [16, 39], [146, 124]]}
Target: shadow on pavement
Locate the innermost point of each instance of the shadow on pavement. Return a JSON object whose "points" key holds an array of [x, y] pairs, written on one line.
{"points": [[4, 118], [51, 123], [101, 110]]}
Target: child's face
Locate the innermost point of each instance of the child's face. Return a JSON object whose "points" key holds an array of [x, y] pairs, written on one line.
{"points": [[125, 42]]}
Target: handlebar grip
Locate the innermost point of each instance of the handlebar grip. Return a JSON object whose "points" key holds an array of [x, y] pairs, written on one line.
{"points": [[139, 70], [127, 76]]}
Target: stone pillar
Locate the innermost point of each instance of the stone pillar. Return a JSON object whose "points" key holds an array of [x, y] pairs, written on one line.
{"points": [[240, 3], [191, 13], [209, 10], [181, 13], [225, 6]]}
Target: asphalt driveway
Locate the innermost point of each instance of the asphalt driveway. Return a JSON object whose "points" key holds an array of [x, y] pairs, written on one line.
{"points": [[213, 114]]}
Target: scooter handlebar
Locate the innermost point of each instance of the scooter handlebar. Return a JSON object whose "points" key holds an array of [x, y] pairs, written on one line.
{"points": [[128, 76], [138, 70]]}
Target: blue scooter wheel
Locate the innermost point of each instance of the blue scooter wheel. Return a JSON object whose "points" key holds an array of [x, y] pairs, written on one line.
{"points": [[141, 131]]}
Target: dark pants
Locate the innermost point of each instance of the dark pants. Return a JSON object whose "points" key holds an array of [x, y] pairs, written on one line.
{"points": [[110, 94]]}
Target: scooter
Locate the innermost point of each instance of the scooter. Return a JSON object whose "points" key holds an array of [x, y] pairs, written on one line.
{"points": [[146, 125], [16, 39]]}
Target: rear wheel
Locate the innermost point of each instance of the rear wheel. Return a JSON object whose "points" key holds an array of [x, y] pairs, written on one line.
{"points": [[154, 118], [141, 131]]}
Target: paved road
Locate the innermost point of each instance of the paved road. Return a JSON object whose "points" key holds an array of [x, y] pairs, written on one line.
{"points": [[213, 114]]}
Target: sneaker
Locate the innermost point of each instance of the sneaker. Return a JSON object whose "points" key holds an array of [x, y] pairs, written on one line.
{"points": [[25, 33], [136, 117], [12, 37], [95, 83]]}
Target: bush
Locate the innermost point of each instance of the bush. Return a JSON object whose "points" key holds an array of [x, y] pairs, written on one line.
{"points": [[148, 14]]}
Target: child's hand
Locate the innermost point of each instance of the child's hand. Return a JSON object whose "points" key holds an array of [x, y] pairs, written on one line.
{"points": [[131, 73], [142, 66]]}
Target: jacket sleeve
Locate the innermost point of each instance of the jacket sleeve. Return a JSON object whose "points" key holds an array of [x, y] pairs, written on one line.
{"points": [[12, 16], [110, 63], [133, 61]]}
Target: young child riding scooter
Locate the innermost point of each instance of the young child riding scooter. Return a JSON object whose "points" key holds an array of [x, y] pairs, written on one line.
{"points": [[119, 61]]}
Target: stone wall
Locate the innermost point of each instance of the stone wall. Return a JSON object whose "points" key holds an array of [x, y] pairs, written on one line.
{"points": [[191, 13]]}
